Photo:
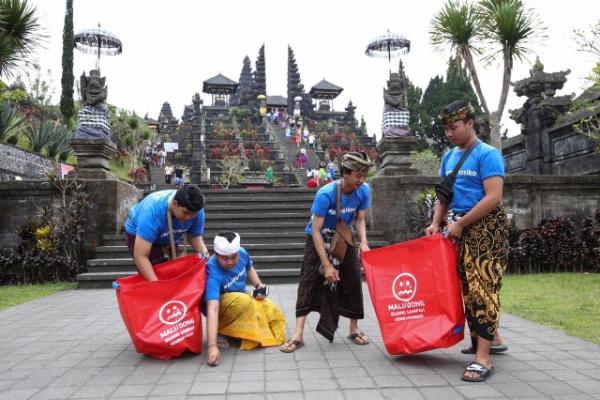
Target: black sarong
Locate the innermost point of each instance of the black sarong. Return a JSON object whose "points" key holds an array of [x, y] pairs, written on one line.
{"points": [[345, 298]]}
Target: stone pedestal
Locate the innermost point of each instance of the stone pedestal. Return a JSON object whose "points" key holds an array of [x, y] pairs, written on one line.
{"points": [[93, 156], [394, 153]]}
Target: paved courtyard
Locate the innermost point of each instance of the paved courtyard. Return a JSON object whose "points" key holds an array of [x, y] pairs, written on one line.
{"points": [[73, 345]]}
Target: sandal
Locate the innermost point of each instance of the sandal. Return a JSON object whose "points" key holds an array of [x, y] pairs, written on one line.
{"points": [[359, 338], [482, 372], [291, 346], [494, 349]]}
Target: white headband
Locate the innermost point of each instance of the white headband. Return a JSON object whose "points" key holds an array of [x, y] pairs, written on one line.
{"points": [[223, 247]]}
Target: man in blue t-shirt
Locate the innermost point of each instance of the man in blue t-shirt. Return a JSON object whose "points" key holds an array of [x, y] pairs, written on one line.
{"points": [[230, 310], [478, 223], [147, 226]]}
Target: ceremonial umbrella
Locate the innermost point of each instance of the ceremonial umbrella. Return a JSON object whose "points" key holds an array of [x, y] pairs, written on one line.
{"points": [[98, 41], [388, 44]]}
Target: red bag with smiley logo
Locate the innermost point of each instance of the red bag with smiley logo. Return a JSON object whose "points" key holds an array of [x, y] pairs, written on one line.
{"points": [[163, 317], [415, 290]]}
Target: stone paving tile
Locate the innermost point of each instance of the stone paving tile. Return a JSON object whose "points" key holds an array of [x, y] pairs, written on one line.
{"points": [[98, 361], [17, 394], [132, 391]]}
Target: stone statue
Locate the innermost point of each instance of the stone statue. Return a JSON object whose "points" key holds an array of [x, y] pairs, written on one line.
{"points": [[93, 121], [395, 109]]}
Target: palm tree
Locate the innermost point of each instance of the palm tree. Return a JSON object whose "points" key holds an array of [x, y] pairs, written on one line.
{"points": [[458, 25], [19, 34], [504, 23]]}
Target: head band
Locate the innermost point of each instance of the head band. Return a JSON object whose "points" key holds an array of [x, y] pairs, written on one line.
{"points": [[356, 163], [223, 247], [459, 115]]}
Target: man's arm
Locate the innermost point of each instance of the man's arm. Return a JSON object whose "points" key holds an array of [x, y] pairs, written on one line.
{"points": [[141, 251], [212, 326], [361, 229], [440, 210], [493, 187], [198, 245], [329, 272]]}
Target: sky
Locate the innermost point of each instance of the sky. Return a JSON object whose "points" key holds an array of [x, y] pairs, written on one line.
{"points": [[170, 48]]}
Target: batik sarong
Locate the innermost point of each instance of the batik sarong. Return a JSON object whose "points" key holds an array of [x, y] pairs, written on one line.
{"points": [[344, 298], [483, 258], [255, 322]]}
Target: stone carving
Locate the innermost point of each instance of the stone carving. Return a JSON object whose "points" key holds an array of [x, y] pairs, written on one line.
{"points": [[93, 121], [395, 110]]}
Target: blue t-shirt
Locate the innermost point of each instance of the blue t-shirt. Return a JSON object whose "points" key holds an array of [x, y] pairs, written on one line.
{"points": [[148, 219], [483, 162], [324, 205], [220, 280]]}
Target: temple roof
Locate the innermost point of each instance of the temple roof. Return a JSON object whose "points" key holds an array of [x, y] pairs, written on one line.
{"points": [[325, 89], [219, 84], [277, 101]]}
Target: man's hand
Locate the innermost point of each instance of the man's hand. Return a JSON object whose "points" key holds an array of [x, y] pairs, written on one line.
{"points": [[432, 230], [363, 246], [213, 355], [204, 252], [331, 274], [454, 230]]}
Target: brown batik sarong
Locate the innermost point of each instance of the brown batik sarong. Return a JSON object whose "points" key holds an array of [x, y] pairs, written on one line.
{"points": [[483, 257], [345, 298]]}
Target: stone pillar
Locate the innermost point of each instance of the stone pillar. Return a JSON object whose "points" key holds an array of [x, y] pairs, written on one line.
{"points": [[93, 156], [395, 155]]}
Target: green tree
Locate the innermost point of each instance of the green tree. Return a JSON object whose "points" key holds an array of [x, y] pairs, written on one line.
{"points": [[67, 105], [20, 34], [439, 93], [507, 26]]}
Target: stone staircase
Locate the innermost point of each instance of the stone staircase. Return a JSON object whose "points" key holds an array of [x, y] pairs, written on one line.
{"points": [[291, 149], [270, 222]]}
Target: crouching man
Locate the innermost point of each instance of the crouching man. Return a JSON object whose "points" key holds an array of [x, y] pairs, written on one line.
{"points": [[233, 312]]}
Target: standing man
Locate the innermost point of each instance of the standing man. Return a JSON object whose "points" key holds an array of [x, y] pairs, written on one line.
{"points": [[478, 221], [327, 285], [147, 226]]}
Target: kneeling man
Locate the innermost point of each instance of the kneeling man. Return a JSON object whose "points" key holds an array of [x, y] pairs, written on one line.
{"points": [[233, 312]]}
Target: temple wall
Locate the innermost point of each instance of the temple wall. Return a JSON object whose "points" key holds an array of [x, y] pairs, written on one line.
{"points": [[527, 199], [27, 165], [110, 201]]}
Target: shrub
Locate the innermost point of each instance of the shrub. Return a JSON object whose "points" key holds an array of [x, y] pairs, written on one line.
{"points": [[426, 162], [49, 242], [590, 236]]}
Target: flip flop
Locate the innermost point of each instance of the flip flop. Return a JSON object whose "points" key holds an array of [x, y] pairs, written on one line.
{"points": [[291, 346], [496, 349], [359, 338], [481, 370]]}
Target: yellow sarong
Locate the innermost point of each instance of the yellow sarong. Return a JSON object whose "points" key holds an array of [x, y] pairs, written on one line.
{"points": [[255, 322]]}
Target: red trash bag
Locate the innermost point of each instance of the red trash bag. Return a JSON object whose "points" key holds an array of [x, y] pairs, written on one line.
{"points": [[163, 317], [415, 290]]}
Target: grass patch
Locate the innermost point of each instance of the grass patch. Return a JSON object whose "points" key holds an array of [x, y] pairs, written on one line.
{"points": [[569, 302], [17, 294], [120, 171]]}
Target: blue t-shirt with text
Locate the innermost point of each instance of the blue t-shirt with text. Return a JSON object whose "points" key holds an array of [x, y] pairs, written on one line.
{"points": [[483, 162], [220, 280], [324, 205], [148, 219]]}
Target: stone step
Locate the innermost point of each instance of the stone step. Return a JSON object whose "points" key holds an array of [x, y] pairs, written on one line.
{"points": [[262, 262], [257, 218], [298, 236], [260, 249], [104, 280]]}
